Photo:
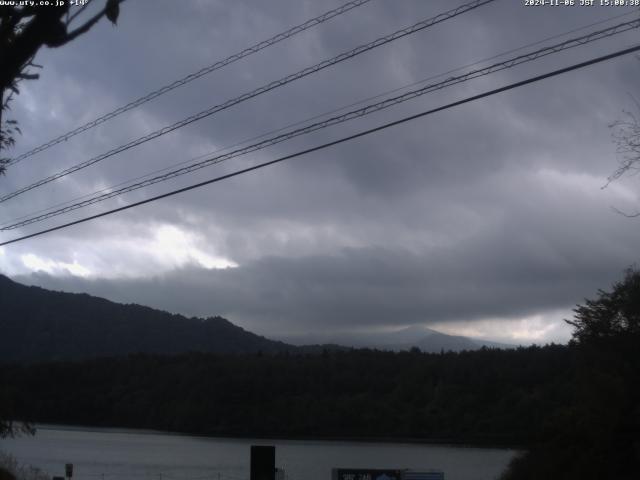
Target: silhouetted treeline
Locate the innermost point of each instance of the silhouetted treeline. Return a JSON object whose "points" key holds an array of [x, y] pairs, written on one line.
{"points": [[596, 433], [43, 325], [487, 396], [576, 409]]}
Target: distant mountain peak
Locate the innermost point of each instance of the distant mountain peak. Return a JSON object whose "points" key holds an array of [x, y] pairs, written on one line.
{"points": [[420, 336]]}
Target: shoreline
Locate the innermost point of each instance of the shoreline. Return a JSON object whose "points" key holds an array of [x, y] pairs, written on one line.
{"points": [[437, 442]]}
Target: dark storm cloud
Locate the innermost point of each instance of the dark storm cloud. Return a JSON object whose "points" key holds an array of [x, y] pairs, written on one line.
{"points": [[490, 210], [519, 263], [363, 287]]}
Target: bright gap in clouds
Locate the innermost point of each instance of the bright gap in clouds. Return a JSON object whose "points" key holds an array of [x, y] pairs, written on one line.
{"points": [[540, 328], [156, 250], [177, 248], [35, 263]]}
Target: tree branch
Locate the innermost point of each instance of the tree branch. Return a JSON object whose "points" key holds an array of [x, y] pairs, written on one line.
{"points": [[84, 28], [44, 28], [89, 23], [80, 10]]}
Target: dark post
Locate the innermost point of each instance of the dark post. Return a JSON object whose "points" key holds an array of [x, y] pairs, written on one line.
{"points": [[263, 462], [68, 470]]}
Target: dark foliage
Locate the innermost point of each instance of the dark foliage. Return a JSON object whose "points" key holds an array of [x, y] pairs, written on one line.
{"points": [[612, 315], [24, 29], [6, 475], [482, 397], [598, 435], [41, 325]]}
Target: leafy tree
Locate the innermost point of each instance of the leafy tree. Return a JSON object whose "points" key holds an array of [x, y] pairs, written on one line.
{"points": [[23, 31], [9, 428], [596, 434], [612, 314]]}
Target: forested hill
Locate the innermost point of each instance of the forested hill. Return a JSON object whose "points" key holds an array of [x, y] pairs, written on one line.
{"points": [[480, 397], [42, 325]]}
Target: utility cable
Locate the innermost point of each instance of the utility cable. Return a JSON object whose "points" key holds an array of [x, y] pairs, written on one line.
{"points": [[265, 88], [384, 104], [315, 117], [193, 76], [336, 142]]}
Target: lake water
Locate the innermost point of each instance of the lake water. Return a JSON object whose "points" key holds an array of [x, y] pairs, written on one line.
{"points": [[135, 455]]}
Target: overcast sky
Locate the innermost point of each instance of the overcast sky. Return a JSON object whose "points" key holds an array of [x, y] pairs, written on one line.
{"points": [[486, 220]]}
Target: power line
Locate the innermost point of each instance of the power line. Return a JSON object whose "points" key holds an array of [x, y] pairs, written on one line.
{"points": [[308, 119], [384, 104], [336, 142], [339, 119], [265, 88], [193, 76]]}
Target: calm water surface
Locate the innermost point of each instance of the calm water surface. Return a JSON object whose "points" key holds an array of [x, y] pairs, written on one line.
{"points": [[134, 455]]}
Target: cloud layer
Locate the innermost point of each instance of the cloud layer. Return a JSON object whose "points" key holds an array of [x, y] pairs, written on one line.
{"points": [[487, 219]]}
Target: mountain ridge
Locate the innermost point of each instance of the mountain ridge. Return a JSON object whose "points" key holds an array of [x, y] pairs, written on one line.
{"points": [[426, 339], [37, 324], [42, 325]]}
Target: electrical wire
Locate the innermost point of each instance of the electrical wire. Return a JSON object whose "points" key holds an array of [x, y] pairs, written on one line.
{"points": [[265, 88], [306, 120], [384, 104], [336, 142], [193, 76]]}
